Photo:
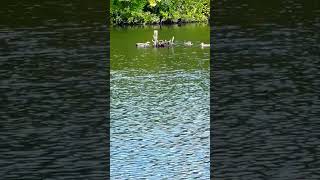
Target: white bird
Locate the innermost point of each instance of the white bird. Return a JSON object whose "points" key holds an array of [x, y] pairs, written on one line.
{"points": [[188, 43], [204, 45], [143, 45]]}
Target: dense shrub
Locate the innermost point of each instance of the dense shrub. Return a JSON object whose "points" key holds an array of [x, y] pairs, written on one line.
{"points": [[154, 11]]}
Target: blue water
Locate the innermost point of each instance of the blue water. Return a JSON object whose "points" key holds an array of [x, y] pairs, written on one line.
{"points": [[160, 112]]}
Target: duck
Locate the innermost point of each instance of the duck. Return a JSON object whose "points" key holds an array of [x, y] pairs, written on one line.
{"points": [[164, 43], [143, 45], [188, 43], [204, 45]]}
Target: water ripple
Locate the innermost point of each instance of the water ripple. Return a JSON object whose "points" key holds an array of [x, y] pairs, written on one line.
{"points": [[265, 103]]}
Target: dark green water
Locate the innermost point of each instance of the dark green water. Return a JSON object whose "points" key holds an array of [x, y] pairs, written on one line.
{"points": [[160, 104], [53, 90], [266, 106]]}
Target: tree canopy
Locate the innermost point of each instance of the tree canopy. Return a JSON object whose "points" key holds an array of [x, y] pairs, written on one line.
{"points": [[154, 11]]}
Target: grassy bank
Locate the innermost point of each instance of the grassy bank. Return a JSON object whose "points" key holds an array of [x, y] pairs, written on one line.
{"points": [[158, 11]]}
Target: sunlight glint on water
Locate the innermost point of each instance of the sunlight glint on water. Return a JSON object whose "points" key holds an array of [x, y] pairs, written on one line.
{"points": [[160, 105]]}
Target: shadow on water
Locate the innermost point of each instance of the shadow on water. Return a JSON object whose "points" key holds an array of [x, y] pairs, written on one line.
{"points": [[160, 104], [266, 95]]}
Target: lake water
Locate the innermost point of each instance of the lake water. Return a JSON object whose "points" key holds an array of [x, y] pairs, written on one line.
{"points": [[266, 106], [160, 122], [53, 90]]}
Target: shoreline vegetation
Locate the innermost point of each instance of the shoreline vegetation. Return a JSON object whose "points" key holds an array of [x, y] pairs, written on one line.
{"points": [[143, 12]]}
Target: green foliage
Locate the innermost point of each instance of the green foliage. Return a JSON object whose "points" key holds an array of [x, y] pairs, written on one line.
{"points": [[152, 11]]}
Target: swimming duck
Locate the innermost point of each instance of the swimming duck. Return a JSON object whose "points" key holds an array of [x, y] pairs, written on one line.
{"points": [[204, 45], [143, 45], [188, 43]]}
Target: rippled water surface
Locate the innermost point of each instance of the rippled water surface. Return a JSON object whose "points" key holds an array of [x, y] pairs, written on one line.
{"points": [[160, 105], [53, 95], [266, 90]]}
